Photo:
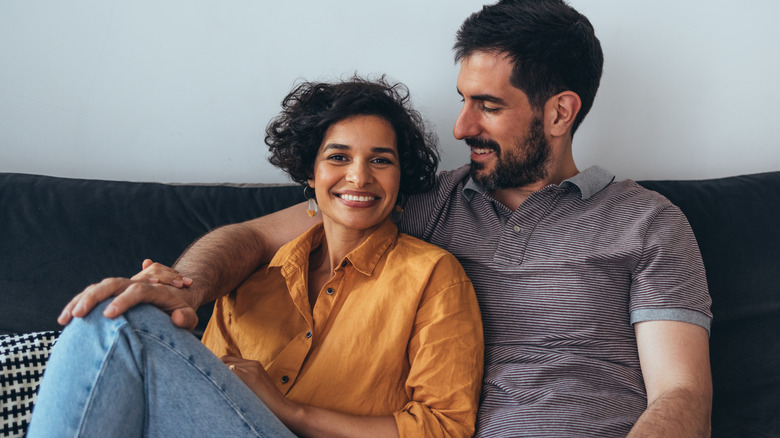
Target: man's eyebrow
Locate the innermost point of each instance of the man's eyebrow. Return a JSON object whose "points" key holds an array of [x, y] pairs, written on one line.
{"points": [[486, 98]]}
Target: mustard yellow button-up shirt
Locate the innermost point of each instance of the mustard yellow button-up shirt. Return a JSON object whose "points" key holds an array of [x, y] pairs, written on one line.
{"points": [[396, 331]]}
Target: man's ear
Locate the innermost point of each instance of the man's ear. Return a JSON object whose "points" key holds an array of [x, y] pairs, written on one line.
{"points": [[560, 111]]}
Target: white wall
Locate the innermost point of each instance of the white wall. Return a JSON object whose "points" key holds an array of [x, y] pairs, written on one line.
{"points": [[181, 90]]}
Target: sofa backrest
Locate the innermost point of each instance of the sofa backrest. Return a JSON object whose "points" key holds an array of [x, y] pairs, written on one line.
{"points": [[58, 235], [735, 221]]}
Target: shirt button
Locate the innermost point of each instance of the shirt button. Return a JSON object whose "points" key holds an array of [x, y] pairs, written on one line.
{"points": [[285, 379], [344, 264], [330, 291], [516, 228], [308, 334]]}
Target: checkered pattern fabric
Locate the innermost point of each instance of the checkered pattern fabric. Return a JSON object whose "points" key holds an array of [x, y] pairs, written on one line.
{"points": [[22, 361]]}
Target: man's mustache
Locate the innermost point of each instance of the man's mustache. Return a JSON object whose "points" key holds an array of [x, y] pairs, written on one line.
{"points": [[481, 143]]}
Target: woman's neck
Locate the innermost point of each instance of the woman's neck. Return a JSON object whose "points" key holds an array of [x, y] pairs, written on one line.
{"points": [[323, 260], [341, 241]]}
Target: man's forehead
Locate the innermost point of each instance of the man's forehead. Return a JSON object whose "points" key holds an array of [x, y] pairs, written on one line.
{"points": [[486, 74], [492, 58]]}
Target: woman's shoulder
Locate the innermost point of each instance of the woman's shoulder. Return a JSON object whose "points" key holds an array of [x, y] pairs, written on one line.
{"points": [[406, 241], [419, 251], [434, 269]]}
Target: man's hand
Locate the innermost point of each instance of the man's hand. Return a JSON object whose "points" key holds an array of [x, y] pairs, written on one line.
{"points": [[156, 284]]}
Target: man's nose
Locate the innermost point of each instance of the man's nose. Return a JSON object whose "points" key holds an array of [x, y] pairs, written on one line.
{"points": [[466, 124]]}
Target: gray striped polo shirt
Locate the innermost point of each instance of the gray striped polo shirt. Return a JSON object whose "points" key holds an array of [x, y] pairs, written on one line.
{"points": [[560, 282]]}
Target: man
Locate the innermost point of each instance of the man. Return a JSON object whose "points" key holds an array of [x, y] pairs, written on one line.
{"points": [[592, 291]]}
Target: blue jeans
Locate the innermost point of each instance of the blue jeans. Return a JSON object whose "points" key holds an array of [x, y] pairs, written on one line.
{"points": [[139, 375]]}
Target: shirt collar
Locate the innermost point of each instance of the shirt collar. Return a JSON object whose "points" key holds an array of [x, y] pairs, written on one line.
{"points": [[589, 182], [295, 254]]}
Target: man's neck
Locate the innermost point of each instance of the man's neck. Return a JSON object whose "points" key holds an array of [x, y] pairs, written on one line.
{"points": [[513, 197]]}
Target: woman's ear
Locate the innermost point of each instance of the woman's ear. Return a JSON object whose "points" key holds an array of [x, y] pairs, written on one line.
{"points": [[561, 110]]}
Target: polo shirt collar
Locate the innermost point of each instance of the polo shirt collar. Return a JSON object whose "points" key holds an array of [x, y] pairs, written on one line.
{"points": [[589, 182]]}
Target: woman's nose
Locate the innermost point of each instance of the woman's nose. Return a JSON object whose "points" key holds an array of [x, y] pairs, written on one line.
{"points": [[359, 174]]}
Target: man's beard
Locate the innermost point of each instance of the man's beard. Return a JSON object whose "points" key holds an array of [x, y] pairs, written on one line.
{"points": [[525, 163]]}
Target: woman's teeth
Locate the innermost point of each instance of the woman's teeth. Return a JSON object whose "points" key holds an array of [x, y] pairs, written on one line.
{"points": [[357, 198]]}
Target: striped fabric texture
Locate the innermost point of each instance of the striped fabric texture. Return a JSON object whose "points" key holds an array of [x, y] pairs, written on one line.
{"points": [[560, 282]]}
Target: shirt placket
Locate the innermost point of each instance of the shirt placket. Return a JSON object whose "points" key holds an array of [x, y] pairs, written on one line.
{"points": [[519, 228], [285, 369], [331, 292]]}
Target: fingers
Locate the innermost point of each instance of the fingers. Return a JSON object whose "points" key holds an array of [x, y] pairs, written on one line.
{"points": [[159, 273], [231, 362], [185, 318], [167, 298], [83, 303], [152, 273], [129, 293]]}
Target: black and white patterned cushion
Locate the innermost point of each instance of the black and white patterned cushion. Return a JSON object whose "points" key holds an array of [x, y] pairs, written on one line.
{"points": [[22, 361]]}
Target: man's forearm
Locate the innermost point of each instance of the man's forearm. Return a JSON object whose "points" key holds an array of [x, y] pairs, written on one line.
{"points": [[219, 261], [677, 413]]}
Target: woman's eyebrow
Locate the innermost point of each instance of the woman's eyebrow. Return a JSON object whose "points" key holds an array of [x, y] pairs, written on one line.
{"points": [[335, 146], [384, 150], [375, 149]]}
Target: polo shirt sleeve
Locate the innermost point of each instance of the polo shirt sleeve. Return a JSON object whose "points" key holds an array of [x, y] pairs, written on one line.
{"points": [[445, 352], [669, 282]]}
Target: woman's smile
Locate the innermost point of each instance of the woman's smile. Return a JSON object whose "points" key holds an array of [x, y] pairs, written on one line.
{"points": [[357, 174]]}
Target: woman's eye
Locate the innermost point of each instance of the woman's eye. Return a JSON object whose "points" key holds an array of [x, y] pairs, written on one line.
{"points": [[337, 158], [383, 161]]}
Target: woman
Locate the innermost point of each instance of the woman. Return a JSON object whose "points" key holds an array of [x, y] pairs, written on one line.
{"points": [[352, 329]]}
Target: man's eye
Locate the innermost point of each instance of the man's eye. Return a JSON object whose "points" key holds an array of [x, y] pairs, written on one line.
{"points": [[488, 109]]}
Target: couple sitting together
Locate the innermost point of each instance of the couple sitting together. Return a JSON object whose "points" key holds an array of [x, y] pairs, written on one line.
{"points": [[330, 322]]}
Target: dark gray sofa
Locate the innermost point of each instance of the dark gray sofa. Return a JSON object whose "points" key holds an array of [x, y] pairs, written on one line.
{"points": [[58, 235]]}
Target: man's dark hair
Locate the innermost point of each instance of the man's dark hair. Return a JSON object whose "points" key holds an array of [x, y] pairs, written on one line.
{"points": [[295, 135], [552, 46]]}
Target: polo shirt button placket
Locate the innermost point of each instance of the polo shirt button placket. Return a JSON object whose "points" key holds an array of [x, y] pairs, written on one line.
{"points": [[285, 379], [329, 291], [308, 334], [516, 228]]}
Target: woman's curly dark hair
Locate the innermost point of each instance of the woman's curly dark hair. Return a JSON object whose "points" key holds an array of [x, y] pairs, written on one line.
{"points": [[295, 135]]}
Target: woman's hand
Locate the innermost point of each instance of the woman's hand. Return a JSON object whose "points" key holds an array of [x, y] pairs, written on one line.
{"points": [[253, 374], [307, 421], [159, 273]]}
